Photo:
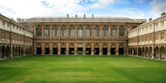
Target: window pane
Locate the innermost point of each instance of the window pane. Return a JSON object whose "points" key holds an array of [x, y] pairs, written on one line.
{"points": [[113, 31], [38, 30], [46, 31], [80, 31], [71, 30]]}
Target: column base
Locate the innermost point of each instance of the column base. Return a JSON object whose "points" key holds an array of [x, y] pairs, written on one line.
{"points": [[92, 53]]}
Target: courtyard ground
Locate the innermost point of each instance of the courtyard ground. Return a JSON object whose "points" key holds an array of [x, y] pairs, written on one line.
{"points": [[82, 69]]}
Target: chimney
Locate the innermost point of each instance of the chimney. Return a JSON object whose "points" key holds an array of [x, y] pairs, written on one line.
{"points": [[92, 16], [67, 15], [150, 19], [76, 16], [163, 14], [84, 16]]}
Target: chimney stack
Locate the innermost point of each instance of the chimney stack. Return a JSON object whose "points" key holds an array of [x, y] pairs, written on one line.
{"points": [[67, 15], [163, 14]]}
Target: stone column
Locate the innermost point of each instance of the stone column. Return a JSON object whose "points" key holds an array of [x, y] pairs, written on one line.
{"points": [[117, 28], [100, 49], [153, 52], [117, 49], [132, 51], [84, 49], [50, 32], [101, 32], [75, 49], [67, 32], [92, 49], [75, 34], [108, 50], [24, 50], [59, 49], [83, 37], [67, 48], [42, 48], [42, 31], [11, 52], [51, 49], [137, 51]]}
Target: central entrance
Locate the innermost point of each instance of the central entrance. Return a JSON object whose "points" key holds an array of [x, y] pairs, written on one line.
{"points": [[88, 51], [38, 51], [112, 51], [63, 50], [47, 51], [96, 51], [55, 50], [80, 51], [104, 51], [121, 51], [71, 51]]}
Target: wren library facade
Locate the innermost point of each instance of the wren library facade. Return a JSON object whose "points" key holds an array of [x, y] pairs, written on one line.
{"points": [[76, 36]]}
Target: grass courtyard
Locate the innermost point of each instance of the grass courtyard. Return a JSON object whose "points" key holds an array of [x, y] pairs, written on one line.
{"points": [[82, 69]]}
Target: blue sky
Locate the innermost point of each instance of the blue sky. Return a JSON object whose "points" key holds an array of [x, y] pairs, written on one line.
{"points": [[100, 8]]}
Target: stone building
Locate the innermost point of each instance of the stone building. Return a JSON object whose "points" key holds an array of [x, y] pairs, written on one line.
{"points": [[81, 36], [15, 39], [149, 39]]}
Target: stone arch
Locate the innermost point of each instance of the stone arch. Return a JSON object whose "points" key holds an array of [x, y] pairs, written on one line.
{"points": [[157, 52], [150, 52], [27, 49], [104, 48], [146, 52], [96, 49], [0, 51], [128, 50], [3, 52], [134, 51], [88, 48], [13, 51], [55, 49], [19, 51], [7, 51], [22, 51], [162, 53], [139, 51]]}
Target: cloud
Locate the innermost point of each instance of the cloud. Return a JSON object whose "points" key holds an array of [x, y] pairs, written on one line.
{"points": [[33, 8], [38, 8], [102, 3], [158, 6], [24, 8]]}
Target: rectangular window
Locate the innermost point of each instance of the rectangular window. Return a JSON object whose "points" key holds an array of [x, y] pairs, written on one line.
{"points": [[63, 32], [87, 32], [80, 32], [162, 35], [3, 23]]}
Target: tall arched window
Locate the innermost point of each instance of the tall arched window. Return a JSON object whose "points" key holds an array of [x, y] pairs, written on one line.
{"points": [[121, 31], [54, 31], [63, 31], [46, 31], [80, 31], [38, 30], [71, 30], [106, 31], [96, 30], [113, 31], [87, 31]]}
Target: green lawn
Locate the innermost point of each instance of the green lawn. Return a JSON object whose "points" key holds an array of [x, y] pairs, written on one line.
{"points": [[82, 69]]}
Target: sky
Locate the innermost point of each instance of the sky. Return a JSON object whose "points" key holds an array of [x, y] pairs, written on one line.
{"points": [[138, 9]]}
